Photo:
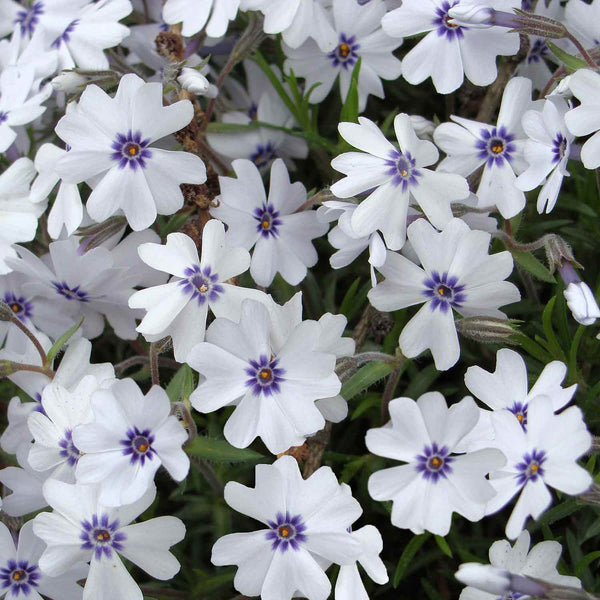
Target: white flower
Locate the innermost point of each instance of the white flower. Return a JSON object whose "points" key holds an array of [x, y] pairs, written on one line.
{"points": [[82, 529], [435, 482], [281, 236], [582, 303], [93, 284], [180, 308], [274, 388], [539, 562], [506, 389], [95, 28], [349, 585], [457, 273], [544, 454], [305, 527], [18, 215], [26, 485], [130, 437], [260, 145], [399, 179], [20, 573], [110, 139], [546, 151], [67, 210], [585, 119], [450, 51], [196, 14], [471, 144], [296, 20], [359, 36], [496, 581], [20, 102], [73, 367]]}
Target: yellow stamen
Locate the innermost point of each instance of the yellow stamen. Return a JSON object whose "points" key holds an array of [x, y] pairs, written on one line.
{"points": [[497, 148], [133, 150], [344, 50], [520, 418], [284, 531], [203, 288], [534, 468], [441, 291], [265, 224], [15, 307], [436, 462], [265, 373], [143, 447], [17, 575], [404, 172]]}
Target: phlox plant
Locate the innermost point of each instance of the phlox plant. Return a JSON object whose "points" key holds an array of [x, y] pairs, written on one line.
{"points": [[299, 299]]}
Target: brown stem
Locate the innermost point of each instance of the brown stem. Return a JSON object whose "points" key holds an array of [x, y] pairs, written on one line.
{"points": [[154, 364], [388, 392], [23, 367], [584, 53], [316, 448], [16, 321], [133, 361]]}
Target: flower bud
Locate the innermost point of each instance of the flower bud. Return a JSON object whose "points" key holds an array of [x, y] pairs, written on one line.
{"points": [[423, 127], [582, 303], [193, 81], [489, 330], [68, 82], [563, 88], [499, 581], [471, 15]]}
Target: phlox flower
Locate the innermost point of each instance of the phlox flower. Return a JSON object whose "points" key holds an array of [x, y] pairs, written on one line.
{"points": [[499, 149], [393, 179], [110, 140], [507, 389], [180, 308], [583, 20], [359, 32], [130, 437], [538, 562], [281, 236], [195, 15], [305, 526], [74, 366], [585, 118], [546, 151], [20, 573], [457, 273], [96, 283], [296, 20], [260, 102], [274, 387], [582, 303], [434, 482], [449, 51], [542, 455], [52, 428], [82, 529], [20, 101], [349, 585]]}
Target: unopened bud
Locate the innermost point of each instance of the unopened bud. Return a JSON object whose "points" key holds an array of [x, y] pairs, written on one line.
{"points": [[193, 81], [471, 15], [582, 303], [557, 252], [489, 330], [6, 312], [6, 368], [95, 235], [563, 89], [539, 25], [499, 581], [423, 127], [68, 82]]}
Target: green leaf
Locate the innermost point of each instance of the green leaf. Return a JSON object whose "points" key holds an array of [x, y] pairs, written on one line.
{"points": [[585, 562], [175, 223], [182, 384], [570, 61], [532, 348], [365, 377], [260, 60], [549, 331], [61, 341], [443, 546], [349, 112], [406, 557], [556, 513], [220, 451], [532, 265]]}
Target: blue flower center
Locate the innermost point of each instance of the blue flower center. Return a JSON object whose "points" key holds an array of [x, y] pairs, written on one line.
{"points": [[138, 446], [434, 462], [264, 376], [496, 146], [531, 467], [131, 150], [19, 305], [28, 19], [3, 116], [202, 284], [286, 532], [538, 50], [19, 577], [444, 291], [345, 54], [70, 293], [402, 169], [263, 154], [268, 221], [443, 22], [101, 535], [560, 146], [66, 34], [68, 449], [519, 409]]}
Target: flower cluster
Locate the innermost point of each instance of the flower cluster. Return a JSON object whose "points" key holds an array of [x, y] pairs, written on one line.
{"points": [[170, 174]]}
